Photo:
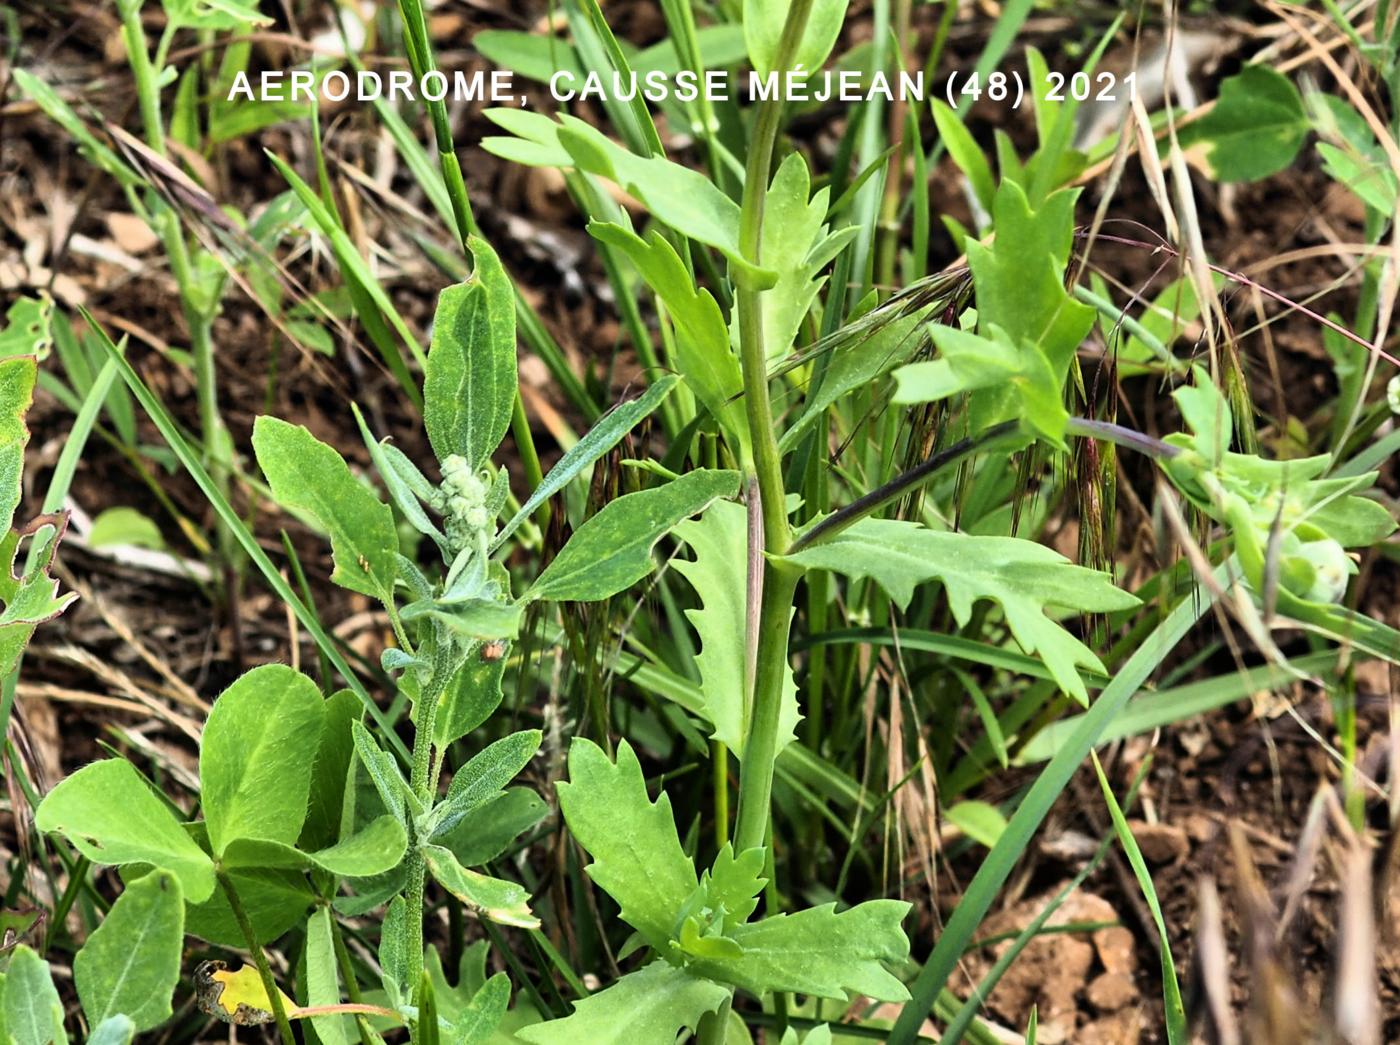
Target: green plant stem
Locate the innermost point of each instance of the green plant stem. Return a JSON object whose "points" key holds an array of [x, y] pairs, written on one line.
{"points": [[76, 879], [529, 456], [756, 772], [779, 581], [274, 996], [719, 766], [146, 77], [352, 985], [421, 780], [144, 74], [888, 227]]}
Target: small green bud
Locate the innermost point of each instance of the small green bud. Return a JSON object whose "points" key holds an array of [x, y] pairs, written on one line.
{"points": [[1332, 568]]}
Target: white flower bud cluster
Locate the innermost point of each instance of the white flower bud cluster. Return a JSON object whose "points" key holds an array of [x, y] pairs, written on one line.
{"points": [[462, 501]]}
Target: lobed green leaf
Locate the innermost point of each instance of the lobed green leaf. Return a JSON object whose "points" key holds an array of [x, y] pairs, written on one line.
{"points": [[637, 855], [819, 952], [1022, 576], [654, 1004], [719, 575]]}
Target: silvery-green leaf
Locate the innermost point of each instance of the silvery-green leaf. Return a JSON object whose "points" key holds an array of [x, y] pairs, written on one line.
{"points": [[469, 384], [612, 550], [500, 901], [33, 1012], [307, 475], [602, 437]]}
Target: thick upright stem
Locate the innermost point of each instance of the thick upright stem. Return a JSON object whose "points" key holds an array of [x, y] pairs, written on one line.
{"points": [[756, 775], [779, 582]]}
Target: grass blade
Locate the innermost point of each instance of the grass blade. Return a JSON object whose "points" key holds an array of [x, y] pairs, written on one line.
{"points": [[1171, 990], [985, 885]]}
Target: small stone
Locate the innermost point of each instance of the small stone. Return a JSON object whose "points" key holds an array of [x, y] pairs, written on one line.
{"points": [[1069, 847], [1116, 950], [130, 233], [1122, 1028], [1160, 843], [1111, 991]]}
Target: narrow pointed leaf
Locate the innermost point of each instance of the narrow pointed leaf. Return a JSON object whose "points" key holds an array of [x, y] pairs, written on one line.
{"points": [[599, 439], [483, 1014], [612, 550], [483, 777], [307, 475], [383, 771], [499, 900]]}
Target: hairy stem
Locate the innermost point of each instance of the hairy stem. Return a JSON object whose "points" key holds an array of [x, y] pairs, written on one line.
{"points": [[422, 780], [274, 996]]}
